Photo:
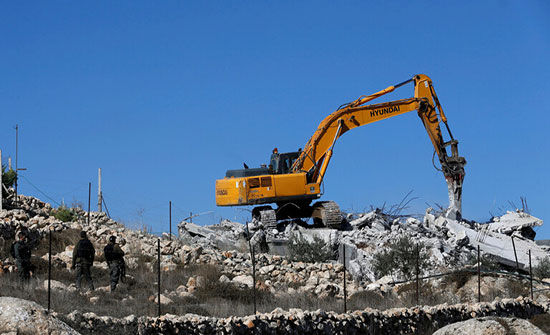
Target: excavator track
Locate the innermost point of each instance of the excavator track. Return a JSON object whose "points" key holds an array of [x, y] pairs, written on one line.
{"points": [[328, 212]]}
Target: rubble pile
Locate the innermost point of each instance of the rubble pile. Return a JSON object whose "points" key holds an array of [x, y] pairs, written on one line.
{"points": [[321, 279], [450, 243], [296, 321], [225, 235]]}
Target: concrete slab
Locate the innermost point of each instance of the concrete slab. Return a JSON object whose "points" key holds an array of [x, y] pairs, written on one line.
{"points": [[500, 245]]}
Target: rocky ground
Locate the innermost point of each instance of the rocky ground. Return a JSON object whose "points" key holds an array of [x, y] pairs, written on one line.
{"points": [[207, 271]]}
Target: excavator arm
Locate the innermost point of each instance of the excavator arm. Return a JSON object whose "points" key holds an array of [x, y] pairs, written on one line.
{"points": [[315, 157]]}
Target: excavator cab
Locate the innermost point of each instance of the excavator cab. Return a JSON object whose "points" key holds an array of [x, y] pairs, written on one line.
{"points": [[282, 163], [278, 164]]}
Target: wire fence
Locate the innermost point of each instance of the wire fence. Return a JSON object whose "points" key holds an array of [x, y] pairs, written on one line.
{"points": [[418, 279]]}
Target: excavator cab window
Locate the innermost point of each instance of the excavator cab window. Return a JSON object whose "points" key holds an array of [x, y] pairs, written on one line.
{"points": [[281, 163]]}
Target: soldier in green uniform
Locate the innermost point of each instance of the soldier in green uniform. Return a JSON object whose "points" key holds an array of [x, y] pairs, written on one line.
{"points": [[115, 260], [22, 255], [83, 259]]}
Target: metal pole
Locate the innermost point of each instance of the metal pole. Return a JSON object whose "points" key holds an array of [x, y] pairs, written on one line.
{"points": [[89, 196], [99, 194], [191, 217], [515, 254], [531, 274], [254, 278], [16, 156], [417, 275], [158, 270], [49, 270], [478, 275], [345, 289], [253, 259], [170, 211]]}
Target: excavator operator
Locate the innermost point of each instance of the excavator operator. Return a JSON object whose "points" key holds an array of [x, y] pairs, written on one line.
{"points": [[274, 160]]}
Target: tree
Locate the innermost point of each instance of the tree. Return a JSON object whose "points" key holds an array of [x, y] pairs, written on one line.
{"points": [[8, 178], [542, 270], [302, 250]]}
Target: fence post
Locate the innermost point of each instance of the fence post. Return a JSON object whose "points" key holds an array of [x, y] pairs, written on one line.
{"points": [[49, 268], [531, 274], [89, 196], [417, 275], [371, 321], [253, 260], [478, 275], [345, 289], [170, 219], [158, 270], [515, 254]]}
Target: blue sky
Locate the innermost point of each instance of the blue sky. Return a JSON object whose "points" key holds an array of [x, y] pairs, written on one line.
{"points": [[166, 96]]}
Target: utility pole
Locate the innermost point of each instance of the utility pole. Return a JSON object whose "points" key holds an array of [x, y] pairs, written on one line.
{"points": [[89, 195], [16, 169], [99, 194]]}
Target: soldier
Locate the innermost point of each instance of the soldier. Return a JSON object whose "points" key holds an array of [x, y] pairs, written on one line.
{"points": [[83, 259], [22, 255], [115, 260]]}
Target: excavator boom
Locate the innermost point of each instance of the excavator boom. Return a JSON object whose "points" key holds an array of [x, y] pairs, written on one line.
{"points": [[316, 155]]}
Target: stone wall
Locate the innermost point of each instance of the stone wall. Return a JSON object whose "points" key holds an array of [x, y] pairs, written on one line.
{"points": [[296, 321]]}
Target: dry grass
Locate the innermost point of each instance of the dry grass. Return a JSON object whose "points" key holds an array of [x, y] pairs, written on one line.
{"points": [[59, 242]]}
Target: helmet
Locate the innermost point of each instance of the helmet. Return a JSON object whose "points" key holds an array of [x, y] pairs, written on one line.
{"points": [[83, 234], [112, 239]]}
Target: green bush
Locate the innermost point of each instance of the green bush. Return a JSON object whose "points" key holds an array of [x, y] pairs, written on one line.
{"points": [[400, 259], [302, 250], [8, 177], [542, 270], [65, 214]]}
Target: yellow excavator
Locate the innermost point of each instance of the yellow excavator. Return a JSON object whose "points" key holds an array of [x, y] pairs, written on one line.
{"points": [[293, 180]]}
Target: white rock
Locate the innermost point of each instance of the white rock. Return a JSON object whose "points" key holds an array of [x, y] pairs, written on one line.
{"points": [[26, 317], [245, 280]]}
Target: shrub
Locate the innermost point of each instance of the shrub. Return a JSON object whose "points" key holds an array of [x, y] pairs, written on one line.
{"points": [[8, 177], [302, 250], [488, 262], [65, 214], [542, 270], [400, 259]]}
